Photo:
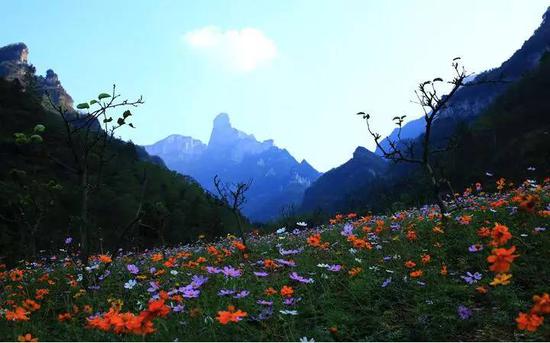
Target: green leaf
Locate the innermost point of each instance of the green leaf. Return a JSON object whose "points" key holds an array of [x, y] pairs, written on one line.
{"points": [[93, 102], [132, 125], [36, 139], [82, 106], [120, 121], [103, 96], [39, 128], [126, 114], [108, 120]]}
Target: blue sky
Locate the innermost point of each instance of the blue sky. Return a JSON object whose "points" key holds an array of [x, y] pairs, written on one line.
{"points": [[294, 71]]}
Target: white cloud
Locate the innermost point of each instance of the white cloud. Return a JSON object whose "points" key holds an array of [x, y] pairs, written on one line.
{"points": [[244, 50]]}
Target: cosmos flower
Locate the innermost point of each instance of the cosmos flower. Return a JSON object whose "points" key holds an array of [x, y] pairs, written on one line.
{"points": [[130, 284], [294, 276], [132, 268], [464, 312], [229, 271], [261, 274], [475, 248], [472, 278]]}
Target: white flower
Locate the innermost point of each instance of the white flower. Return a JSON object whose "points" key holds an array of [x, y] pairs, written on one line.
{"points": [[174, 272], [301, 223], [305, 339], [322, 265], [130, 284], [358, 260], [291, 312], [281, 230]]}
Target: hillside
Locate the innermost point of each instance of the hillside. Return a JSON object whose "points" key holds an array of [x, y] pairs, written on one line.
{"points": [[36, 189], [483, 276]]}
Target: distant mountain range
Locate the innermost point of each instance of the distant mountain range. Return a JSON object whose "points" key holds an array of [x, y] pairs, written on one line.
{"points": [[278, 179]]}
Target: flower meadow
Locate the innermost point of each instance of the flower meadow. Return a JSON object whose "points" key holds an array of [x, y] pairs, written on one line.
{"points": [[481, 272]]}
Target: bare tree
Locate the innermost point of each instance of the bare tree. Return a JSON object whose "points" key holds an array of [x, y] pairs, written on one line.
{"points": [[233, 196], [87, 136], [432, 102]]}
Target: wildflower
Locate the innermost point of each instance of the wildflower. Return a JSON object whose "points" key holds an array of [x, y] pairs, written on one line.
{"points": [[261, 274], [281, 231], [239, 245], [270, 291], [386, 282], [501, 279], [472, 278], [132, 268], [68, 240], [212, 270], [482, 289], [475, 248], [334, 267], [156, 257], [296, 277], [303, 224], [27, 338], [198, 280], [105, 258], [314, 240], [354, 271], [31, 305], [287, 291], [501, 259], [224, 292], [347, 230], [270, 264], [464, 312], [241, 294], [529, 322], [483, 232], [411, 235], [231, 315], [500, 234], [130, 284], [465, 219], [305, 339], [290, 312], [426, 258], [62, 317], [416, 273], [18, 315], [542, 304], [410, 264], [443, 270], [264, 302], [229, 271], [157, 308], [16, 275]]}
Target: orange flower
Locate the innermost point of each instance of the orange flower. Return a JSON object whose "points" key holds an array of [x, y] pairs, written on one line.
{"points": [[500, 183], [443, 270], [157, 308], [231, 315], [31, 305], [411, 235], [483, 232], [501, 259], [354, 271], [500, 234], [482, 289], [410, 264], [287, 291], [465, 219], [314, 240], [156, 257], [426, 258], [529, 322], [270, 291], [27, 338], [270, 264], [416, 273], [16, 275], [542, 304], [18, 315], [437, 229], [64, 316], [87, 309]]}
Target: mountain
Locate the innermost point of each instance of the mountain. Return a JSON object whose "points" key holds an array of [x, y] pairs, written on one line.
{"points": [[337, 189], [278, 180], [472, 100], [40, 197]]}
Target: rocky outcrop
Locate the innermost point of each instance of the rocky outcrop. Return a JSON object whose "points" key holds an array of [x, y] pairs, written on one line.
{"points": [[278, 180]]}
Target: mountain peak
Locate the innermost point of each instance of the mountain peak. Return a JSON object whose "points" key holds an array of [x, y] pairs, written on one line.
{"points": [[222, 120]]}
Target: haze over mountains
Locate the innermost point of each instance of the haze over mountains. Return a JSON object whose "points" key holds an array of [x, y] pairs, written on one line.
{"points": [[278, 179]]}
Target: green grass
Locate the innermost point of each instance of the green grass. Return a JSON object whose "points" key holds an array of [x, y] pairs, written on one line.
{"points": [[336, 306]]}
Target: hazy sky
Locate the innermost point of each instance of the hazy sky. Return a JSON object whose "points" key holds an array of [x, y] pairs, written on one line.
{"points": [[294, 71]]}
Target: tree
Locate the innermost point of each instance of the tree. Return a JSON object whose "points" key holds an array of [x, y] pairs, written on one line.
{"points": [[233, 196], [87, 135], [432, 103]]}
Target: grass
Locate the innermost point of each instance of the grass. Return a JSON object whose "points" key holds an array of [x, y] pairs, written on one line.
{"points": [[347, 288]]}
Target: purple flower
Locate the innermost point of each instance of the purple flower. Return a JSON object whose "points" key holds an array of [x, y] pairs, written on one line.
{"points": [[154, 287], [472, 278], [132, 268], [296, 277], [189, 292], [264, 302], [289, 252], [152, 270], [475, 248], [241, 294], [68, 240], [213, 270], [540, 229], [334, 267], [347, 230], [386, 282], [198, 280], [178, 308], [229, 271], [224, 292], [261, 274], [286, 263], [464, 312]]}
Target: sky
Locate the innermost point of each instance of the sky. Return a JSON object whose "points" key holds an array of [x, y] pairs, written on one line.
{"points": [[289, 70]]}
